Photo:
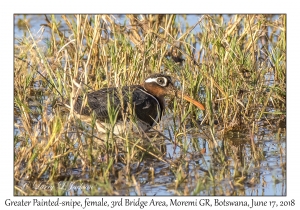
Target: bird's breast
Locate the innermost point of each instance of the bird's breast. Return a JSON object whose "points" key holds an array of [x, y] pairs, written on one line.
{"points": [[148, 108]]}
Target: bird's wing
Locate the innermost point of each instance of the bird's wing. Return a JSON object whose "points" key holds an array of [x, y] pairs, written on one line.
{"points": [[97, 102]]}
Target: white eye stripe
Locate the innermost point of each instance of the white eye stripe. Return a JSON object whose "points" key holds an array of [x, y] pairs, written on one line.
{"points": [[149, 80]]}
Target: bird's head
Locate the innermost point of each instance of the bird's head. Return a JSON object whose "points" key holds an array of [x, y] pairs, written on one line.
{"points": [[160, 85]]}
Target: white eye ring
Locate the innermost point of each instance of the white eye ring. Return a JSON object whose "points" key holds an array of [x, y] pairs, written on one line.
{"points": [[158, 80]]}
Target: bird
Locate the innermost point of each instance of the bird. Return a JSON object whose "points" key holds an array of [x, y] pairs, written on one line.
{"points": [[146, 102]]}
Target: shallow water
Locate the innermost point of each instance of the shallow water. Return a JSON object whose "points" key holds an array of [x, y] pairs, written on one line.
{"points": [[266, 177]]}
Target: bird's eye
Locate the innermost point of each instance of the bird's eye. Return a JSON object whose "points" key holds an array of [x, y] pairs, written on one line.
{"points": [[161, 81]]}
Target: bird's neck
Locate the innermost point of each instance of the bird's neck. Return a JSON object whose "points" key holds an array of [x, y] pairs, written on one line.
{"points": [[160, 98]]}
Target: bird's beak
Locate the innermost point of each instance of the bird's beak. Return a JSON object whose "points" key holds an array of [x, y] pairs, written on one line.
{"points": [[175, 92], [189, 99], [178, 94]]}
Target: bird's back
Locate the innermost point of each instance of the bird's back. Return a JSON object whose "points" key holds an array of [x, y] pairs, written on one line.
{"points": [[145, 106]]}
